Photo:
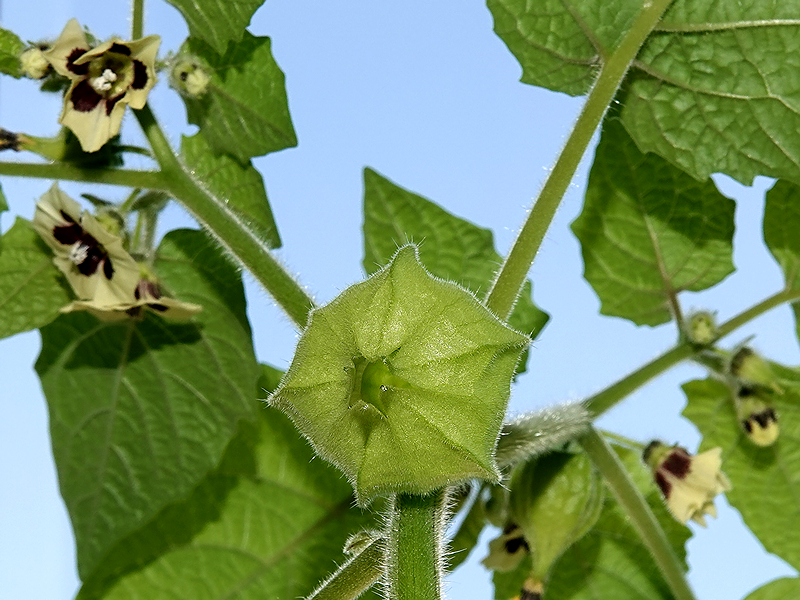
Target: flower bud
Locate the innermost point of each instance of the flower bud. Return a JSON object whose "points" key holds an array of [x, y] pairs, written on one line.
{"points": [[752, 371], [688, 483], [33, 62], [555, 500], [402, 382], [190, 77], [757, 416], [701, 328]]}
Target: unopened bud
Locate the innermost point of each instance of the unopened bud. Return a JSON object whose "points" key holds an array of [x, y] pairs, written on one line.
{"points": [[190, 77], [701, 328], [751, 370], [33, 63]]}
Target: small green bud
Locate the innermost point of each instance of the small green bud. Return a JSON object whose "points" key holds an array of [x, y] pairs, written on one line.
{"points": [[757, 416], [701, 328], [748, 368], [190, 77], [402, 382], [33, 62], [555, 500]]}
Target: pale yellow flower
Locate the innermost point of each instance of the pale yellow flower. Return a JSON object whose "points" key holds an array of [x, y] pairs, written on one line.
{"points": [[688, 483], [104, 80], [93, 260]]}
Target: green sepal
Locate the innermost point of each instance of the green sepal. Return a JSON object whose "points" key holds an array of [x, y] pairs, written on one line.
{"points": [[402, 382], [555, 500]]}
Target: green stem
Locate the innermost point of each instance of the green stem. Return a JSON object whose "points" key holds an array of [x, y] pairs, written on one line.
{"points": [[511, 276], [355, 576], [235, 235], [609, 397], [137, 19], [66, 171], [641, 517], [415, 546]]}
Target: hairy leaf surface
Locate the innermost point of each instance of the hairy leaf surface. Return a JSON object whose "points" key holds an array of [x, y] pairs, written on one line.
{"points": [[31, 287], [449, 247], [240, 185], [781, 226], [713, 89], [270, 522], [244, 112], [141, 411], [766, 481], [649, 231], [217, 22]]}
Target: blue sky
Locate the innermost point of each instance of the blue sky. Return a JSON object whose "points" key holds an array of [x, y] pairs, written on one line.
{"points": [[427, 95]]}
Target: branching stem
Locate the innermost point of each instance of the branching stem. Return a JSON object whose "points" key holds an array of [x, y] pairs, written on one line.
{"points": [[511, 276]]}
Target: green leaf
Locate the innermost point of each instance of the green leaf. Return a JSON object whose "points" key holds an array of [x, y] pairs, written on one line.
{"points": [[766, 481], [244, 112], [611, 561], [217, 22], [649, 231], [240, 185], [715, 89], [559, 44], [270, 522], [31, 288], [141, 411], [781, 224], [450, 247], [3, 202], [10, 49], [780, 589]]}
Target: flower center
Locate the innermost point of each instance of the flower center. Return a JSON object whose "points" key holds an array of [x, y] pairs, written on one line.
{"points": [[371, 383], [104, 82], [79, 253]]}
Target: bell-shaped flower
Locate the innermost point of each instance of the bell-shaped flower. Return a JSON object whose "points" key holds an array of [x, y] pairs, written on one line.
{"points": [[146, 296], [507, 550], [757, 416], [93, 259], [688, 483], [104, 79]]}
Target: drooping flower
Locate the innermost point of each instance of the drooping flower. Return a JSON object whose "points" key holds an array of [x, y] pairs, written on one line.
{"points": [[688, 483], [757, 416], [104, 79], [93, 259], [147, 295], [507, 550]]}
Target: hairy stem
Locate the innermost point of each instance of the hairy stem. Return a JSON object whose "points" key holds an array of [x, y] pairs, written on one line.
{"points": [[355, 576], [511, 276], [235, 235], [415, 549], [609, 397], [638, 511], [66, 171]]}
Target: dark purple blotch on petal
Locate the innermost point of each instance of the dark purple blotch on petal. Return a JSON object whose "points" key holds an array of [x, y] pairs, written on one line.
{"points": [[514, 544], [84, 98], [663, 484], [67, 234], [678, 463], [158, 307], [111, 102], [108, 268], [74, 55], [120, 49], [139, 75]]}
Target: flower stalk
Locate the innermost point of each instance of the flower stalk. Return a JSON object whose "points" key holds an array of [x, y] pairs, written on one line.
{"points": [[638, 511]]}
